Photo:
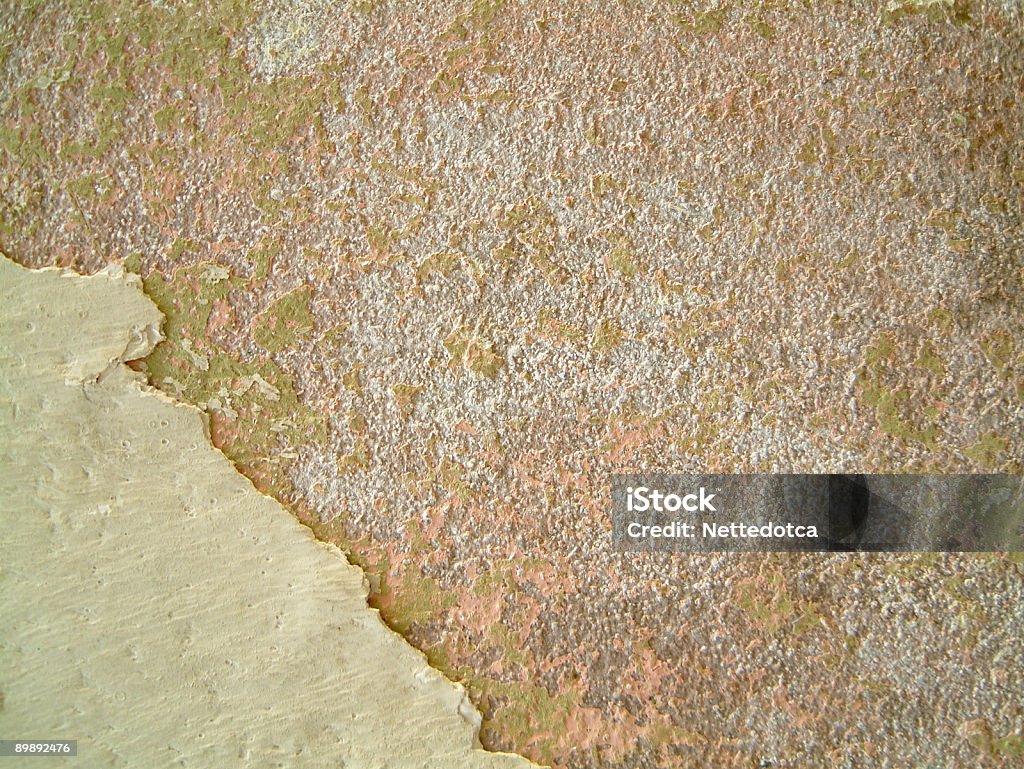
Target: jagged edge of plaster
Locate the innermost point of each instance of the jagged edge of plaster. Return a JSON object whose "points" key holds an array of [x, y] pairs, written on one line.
{"points": [[140, 340]]}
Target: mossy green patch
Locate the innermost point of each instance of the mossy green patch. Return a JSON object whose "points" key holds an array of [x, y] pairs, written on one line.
{"points": [[415, 600], [852, 257], [269, 415], [621, 259], [809, 151], [989, 450], [607, 335], [554, 328], [889, 405], [935, 11], [1011, 746], [944, 219], [981, 737], [358, 458], [761, 27], [930, 361], [97, 187], [999, 349], [353, 378], [440, 262], [468, 349], [179, 247], [880, 351], [285, 321], [405, 395], [602, 185], [703, 22], [898, 413]]}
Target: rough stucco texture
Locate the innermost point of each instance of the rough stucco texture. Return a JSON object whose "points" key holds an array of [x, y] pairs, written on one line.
{"points": [[435, 270]]}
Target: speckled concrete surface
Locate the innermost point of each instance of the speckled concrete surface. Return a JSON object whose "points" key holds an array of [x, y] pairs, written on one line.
{"points": [[436, 271]]}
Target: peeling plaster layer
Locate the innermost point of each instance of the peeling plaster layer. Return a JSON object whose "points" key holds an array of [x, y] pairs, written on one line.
{"points": [[155, 606]]}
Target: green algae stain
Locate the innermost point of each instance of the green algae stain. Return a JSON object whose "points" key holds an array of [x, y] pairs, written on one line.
{"points": [[982, 738], [607, 336], [262, 257], [704, 22], [554, 328], [621, 259], [935, 11], [256, 400], [880, 351], [897, 413], [405, 395], [999, 349], [442, 263], [602, 185], [417, 600], [889, 406], [359, 458], [1011, 746], [761, 27], [809, 151], [988, 451], [468, 349], [930, 361], [285, 321]]}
